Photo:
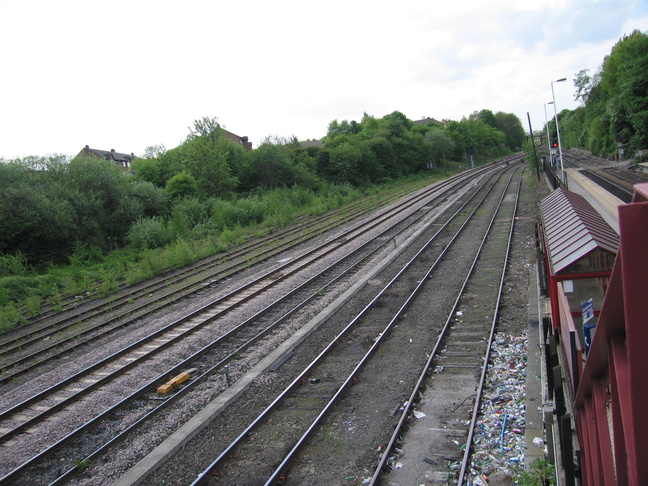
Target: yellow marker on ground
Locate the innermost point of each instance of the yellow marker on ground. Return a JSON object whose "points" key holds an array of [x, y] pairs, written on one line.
{"points": [[173, 383]]}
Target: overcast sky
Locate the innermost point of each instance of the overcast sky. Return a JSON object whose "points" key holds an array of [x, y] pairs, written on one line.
{"points": [[126, 75]]}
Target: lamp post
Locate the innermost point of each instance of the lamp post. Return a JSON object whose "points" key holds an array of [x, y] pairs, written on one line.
{"points": [[547, 128], [553, 97]]}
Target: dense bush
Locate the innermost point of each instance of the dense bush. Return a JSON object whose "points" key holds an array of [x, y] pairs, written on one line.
{"points": [[149, 233], [47, 211]]}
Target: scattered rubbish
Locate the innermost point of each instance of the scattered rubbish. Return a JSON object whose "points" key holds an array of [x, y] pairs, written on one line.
{"points": [[398, 407], [419, 415], [498, 444], [538, 442]]}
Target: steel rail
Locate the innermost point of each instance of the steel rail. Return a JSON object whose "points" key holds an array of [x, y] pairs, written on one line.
{"points": [[119, 301], [188, 362], [603, 181], [348, 213], [231, 267], [185, 364], [73, 302], [282, 269], [434, 354], [158, 379], [202, 478], [363, 226], [610, 186], [480, 389], [283, 467]]}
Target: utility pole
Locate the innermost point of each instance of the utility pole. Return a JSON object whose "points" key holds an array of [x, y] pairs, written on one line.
{"points": [[535, 157]]}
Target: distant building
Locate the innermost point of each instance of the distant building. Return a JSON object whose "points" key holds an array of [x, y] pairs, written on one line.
{"points": [[311, 143], [427, 120], [123, 160], [243, 141]]}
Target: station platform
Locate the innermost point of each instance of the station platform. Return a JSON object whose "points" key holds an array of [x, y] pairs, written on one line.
{"points": [[602, 201]]}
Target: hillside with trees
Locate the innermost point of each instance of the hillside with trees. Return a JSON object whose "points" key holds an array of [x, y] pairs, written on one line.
{"points": [[614, 103], [69, 223]]}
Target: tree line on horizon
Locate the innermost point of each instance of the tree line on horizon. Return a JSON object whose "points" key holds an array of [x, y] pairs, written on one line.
{"points": [[55, 208]]}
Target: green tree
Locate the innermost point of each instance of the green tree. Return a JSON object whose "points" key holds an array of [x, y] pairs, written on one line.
{"points": [[385, 156], [37, 220], [346, 161], [206, 155], [154, 151], [51, 207], [583, 84], [441, 146], [511, 126], [487, 117], [270, 167], [397, 124], [615, 101], [183, 184], [631, 98], [149, 170]]}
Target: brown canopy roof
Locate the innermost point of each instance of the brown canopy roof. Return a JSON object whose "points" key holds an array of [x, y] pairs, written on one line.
{"points": [[573, 229]]}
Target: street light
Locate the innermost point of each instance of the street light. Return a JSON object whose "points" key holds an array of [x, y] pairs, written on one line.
{"points": [[547, 128], [562, 167]]}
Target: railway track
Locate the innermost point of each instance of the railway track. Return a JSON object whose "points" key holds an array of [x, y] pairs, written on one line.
{"points": [[60, 396], [617, 180], [297, 414], [450, 396], [33, 348], [303, 229], [51, 336]]}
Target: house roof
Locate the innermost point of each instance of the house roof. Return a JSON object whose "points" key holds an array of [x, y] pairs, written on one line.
{"points": [[426, 120], [236, 139], [111, 154], [573, 229], [311, 143]]}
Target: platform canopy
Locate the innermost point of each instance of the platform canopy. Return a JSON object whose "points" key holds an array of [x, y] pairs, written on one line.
{"points": [[577, 238]]}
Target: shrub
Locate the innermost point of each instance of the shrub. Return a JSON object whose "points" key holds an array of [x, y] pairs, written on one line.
{"points": [[186, 214], [47, 285], [227, 214], [149, 233], [15, 264], [10, 318], [180, 253], [33, 304], [16, 288]]}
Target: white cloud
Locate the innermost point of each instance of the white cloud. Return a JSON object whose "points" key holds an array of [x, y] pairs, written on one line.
{"points": [[126, 75]]}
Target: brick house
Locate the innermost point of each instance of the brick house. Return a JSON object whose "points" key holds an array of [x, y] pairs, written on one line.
{"points": [[123, 160], [239, 140]]}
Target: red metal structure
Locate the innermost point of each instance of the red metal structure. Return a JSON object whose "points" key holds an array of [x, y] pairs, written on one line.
{"points": [[580, 248], [612, 397]]}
